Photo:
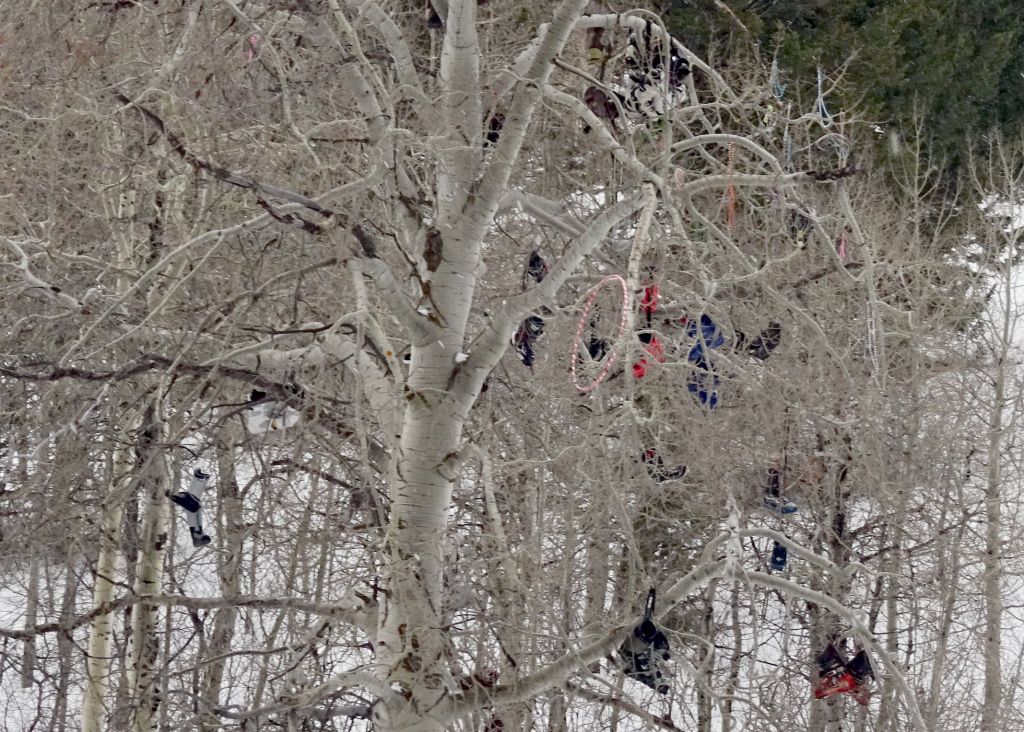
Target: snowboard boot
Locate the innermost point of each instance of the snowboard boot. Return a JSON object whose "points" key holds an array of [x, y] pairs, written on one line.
{"points": [[773, 498], [761, 346], [186, 500], [778, 504], [199, 537], [780, 556]]}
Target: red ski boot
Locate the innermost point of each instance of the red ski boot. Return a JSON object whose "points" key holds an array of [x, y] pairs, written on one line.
{"points": [[837, 682]]}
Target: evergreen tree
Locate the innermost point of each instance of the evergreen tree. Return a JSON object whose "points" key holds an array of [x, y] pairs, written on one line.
{"points": [[957, 65]]}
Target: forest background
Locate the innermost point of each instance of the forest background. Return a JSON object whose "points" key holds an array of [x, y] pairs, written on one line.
{"points": [[316, 199]]}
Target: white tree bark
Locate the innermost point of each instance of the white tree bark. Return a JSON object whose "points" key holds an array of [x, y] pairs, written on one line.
{"points": [[101, 629], [145, 639], [28, 656]]}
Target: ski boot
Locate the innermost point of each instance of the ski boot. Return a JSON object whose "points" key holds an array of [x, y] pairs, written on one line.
{"points": [[834, 677], [860, 667]]}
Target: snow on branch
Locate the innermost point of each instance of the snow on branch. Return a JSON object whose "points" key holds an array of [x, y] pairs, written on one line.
{"points": [[313, 697], [860, 630], [622, 704], [557, 672], [753, 180], [34, 283], [363, 614], [548, 212]]}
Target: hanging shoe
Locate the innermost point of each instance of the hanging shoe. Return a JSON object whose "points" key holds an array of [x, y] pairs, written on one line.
{"points": [[649, 300], [860, 668], [652, 345], [525, 351], [199, 537], [703, 385], [780, 556], [761, 346], [536, 267], [534, 326], [493, 134], [433, 19], [597, 348], [656, 467], [645, 653], [523, 341], [186, 500], [778, 504]]}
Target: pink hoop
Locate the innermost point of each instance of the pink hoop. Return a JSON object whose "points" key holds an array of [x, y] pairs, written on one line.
{"points": [[610, 361]]}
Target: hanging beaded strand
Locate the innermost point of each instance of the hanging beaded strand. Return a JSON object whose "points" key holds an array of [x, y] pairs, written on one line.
{"points": [[730, 190], [872, 337]]}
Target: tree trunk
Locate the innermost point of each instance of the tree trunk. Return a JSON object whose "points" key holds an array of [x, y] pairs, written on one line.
{"points": [[145, 641], [735, 658], [101, 630], [289, 579], [706, 662], [991, 709], [28, 656], [232, 546]]}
